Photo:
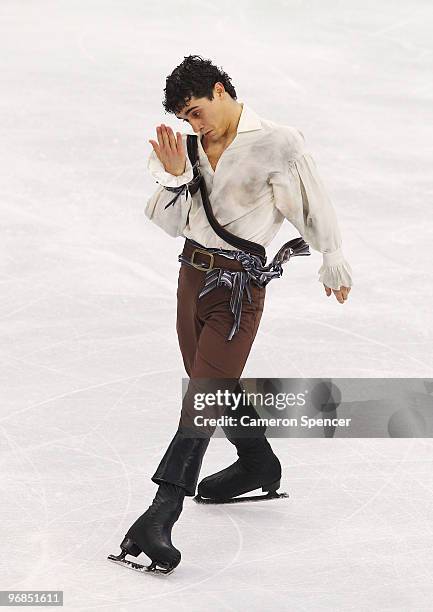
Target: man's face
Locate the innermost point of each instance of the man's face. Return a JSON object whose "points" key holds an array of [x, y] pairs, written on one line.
{"points": [[205, 116]]}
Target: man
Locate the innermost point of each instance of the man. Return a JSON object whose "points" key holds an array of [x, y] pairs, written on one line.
{"points": [[257, 173]]}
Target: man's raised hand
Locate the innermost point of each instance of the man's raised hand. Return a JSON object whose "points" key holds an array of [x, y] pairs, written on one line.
{"points": [[170, 150]]}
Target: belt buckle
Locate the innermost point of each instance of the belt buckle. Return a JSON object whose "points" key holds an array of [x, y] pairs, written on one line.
{"points": [[200, 266]]}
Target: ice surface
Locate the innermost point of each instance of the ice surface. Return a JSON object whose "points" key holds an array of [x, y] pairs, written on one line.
{"points": [[91, 373]]}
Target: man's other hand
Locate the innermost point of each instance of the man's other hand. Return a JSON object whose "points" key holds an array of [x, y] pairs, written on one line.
{"points": [[341, 294]]}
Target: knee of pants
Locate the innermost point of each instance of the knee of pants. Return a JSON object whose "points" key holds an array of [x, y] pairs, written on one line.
{"points": [[205, 400]]}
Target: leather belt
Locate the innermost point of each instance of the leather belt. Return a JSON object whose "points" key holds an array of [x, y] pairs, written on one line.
{"points": [[204, 259]]}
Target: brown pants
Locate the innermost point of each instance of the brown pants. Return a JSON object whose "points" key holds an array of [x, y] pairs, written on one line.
{"points": [[212, 363], [203, 326]]}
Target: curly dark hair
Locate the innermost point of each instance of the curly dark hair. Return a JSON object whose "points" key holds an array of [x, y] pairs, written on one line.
{"points": [[196, 77]]}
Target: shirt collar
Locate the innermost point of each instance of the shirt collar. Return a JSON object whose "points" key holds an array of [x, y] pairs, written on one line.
{"points": [[249, 120]]}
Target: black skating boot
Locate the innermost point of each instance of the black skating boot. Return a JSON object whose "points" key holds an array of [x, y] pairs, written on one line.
{"points": [[257, 466], [177, 476], [151, 532]]}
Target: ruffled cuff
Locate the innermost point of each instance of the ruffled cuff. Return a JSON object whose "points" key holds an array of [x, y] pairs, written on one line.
{"points": [[166, 179], [335, 271]]}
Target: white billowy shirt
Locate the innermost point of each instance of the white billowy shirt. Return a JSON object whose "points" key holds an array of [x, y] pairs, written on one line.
{"points": [[264, 176]]}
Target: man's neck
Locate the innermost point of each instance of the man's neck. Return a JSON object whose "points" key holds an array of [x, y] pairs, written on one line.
{"points": [[232, 127], [231, 130]]}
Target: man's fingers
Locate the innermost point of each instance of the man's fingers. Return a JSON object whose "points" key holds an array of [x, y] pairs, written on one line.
{"points": [[345, 291], [165, 138], [342, 294], [338, 294], [156, 149], [176, 142], [159, 136], [154, 145], [172, 140]]}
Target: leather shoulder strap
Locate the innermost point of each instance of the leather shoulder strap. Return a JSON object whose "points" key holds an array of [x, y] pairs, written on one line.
{"points": [[240, 243]]}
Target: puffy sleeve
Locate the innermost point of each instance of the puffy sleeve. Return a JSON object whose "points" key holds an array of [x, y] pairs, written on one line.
{"points": [[169, 205], [300, 195]]}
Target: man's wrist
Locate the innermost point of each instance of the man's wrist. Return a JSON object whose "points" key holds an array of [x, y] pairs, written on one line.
{"points": [[334, 258], [174, 174]]}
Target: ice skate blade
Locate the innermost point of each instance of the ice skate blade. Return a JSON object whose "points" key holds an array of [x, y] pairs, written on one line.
{"points": [[145, 569], [237, 500]]}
